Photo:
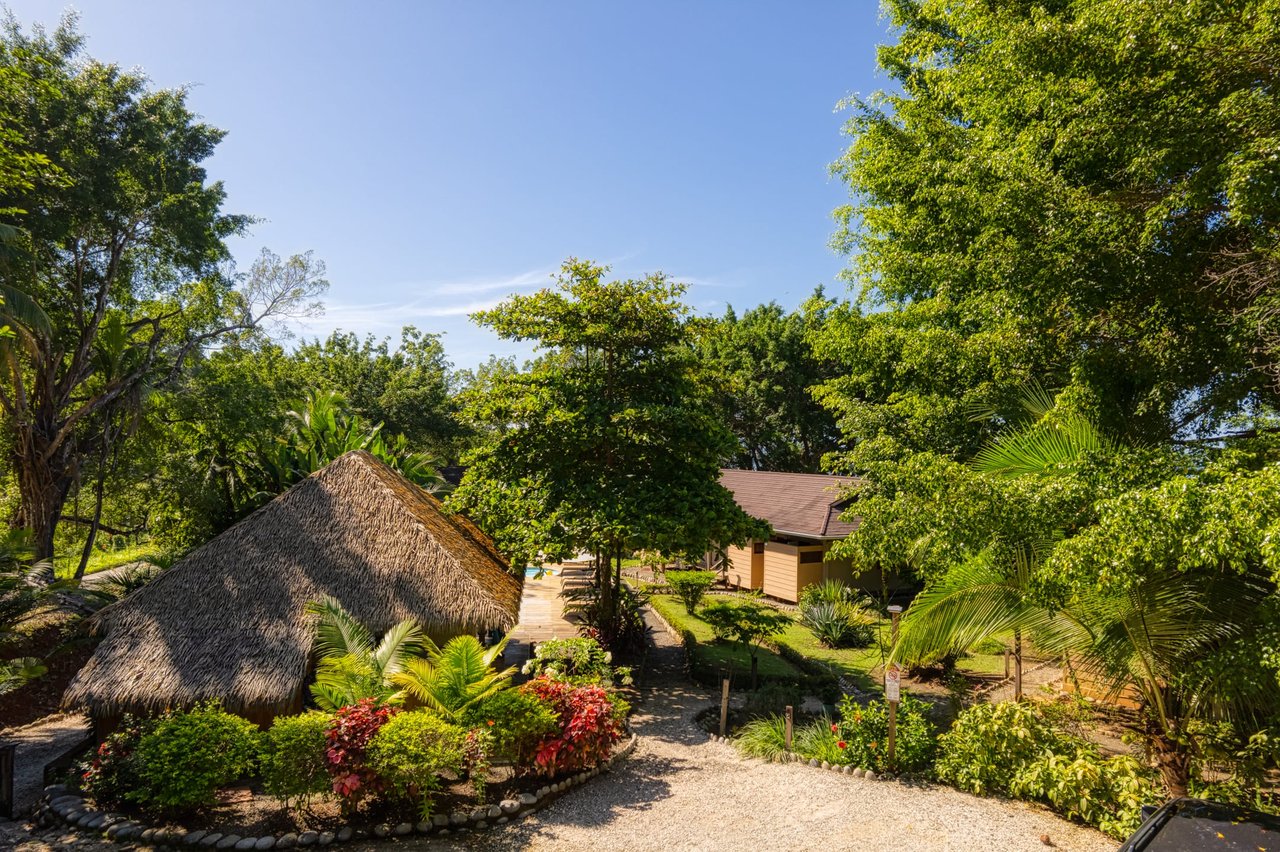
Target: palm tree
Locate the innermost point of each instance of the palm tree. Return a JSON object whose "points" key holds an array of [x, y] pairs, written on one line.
{"points": [[455, 678], [984, 596], [351, 666]]}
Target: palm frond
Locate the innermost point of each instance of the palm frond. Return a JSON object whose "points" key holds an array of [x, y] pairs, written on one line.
{"points": [[338, 633], [18, 672], [1043, 448], [401, 641], [17, 308]]}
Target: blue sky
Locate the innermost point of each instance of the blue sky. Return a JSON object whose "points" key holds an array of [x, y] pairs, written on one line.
{"points": [[438, 156]]}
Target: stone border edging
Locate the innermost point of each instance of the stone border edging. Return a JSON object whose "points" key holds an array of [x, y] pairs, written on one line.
{"points": [[58, 805], [792, 757]]}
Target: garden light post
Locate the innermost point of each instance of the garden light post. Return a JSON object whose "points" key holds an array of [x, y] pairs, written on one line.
{"points": [[891, 680]]}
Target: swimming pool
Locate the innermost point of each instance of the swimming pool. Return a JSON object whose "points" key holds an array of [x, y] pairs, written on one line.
{"points": [[533, 573]]}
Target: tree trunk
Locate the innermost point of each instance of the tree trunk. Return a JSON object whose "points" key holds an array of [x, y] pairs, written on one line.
{"points": [[95, 524], [754, 670], [1174, 762], [43, 483]]}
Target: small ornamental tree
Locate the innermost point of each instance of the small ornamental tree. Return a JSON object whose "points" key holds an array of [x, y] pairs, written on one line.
{"points": [[748, 622], [690, 586]]}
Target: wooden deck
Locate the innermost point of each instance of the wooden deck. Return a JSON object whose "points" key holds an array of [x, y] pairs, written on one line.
{"points": [[542, 611]]}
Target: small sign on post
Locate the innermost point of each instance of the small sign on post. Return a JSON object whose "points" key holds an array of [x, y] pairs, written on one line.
{"points": [[892, 688], [893, 683]]}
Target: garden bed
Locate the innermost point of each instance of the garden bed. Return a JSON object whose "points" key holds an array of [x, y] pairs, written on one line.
{"points": [[246, 819]]}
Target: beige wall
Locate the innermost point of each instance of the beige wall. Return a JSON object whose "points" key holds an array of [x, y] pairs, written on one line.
{"points": [[745, 568], [780, 571]]}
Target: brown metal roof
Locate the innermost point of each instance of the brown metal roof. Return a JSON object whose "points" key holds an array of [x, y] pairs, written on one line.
{"points": [[807, 505]]}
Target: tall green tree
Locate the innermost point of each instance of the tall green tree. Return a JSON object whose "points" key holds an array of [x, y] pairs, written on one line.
{"points": [[764, 366], [613, 445], [134, 244], [1084, 191], [408, 389]]}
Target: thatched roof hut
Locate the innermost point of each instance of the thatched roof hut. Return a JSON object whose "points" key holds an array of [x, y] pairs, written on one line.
{"points": [[228, 621]]}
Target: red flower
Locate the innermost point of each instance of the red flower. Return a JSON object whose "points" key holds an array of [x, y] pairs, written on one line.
{"points": [[842, 744], [835, 728]]}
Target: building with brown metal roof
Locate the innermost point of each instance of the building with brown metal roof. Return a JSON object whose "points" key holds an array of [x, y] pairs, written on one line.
{"points": [[808, 513]]}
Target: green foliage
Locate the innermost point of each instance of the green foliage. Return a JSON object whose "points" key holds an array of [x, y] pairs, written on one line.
{"points": [[818, 740], [182, 760], [772, 699], [865, 732], [763, 738], [612, 617], [581, 660], [453, 679], [351, 666], [838, 616], [112, 772], [618, 446], [763, 364], [411, 751], [1012, 749], [293, 759], [748, 622], [517, 722], [690, 586]]}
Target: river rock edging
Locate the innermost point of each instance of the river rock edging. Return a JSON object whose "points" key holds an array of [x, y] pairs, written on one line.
{"points": [[60, 806]]}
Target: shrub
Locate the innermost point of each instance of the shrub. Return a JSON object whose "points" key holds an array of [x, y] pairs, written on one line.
{"points": [[620, 629], [990, 743], [579, 661], [348, 738], [748, 622], [110, 774], [820, 740], [1105, 792], [455, 678], [186, 756], [772, 699], [1011, 748], [763, 738], [690, 586], [293, 759], [837, 615], [865, 732], [477, 748], [411, 750], [518, 722], [590, 722]]}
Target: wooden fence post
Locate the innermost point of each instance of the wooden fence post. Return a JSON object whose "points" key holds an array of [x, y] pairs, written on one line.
{"points": [[790, 717], [891, 688], [724, 706]]}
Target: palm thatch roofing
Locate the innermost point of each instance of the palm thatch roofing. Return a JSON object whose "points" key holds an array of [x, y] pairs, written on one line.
{"points": [[227, 622]]}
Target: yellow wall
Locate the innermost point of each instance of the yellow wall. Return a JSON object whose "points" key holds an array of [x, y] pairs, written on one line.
{"points": [[780, 571], [745, 569]]}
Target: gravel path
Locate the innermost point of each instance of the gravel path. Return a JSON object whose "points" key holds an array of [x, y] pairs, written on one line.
{"points": [[680, 791], [39, 744]]}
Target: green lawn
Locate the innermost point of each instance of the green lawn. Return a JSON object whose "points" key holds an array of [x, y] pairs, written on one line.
{"points": [[101, 560], [713, 655], [861, 665]]}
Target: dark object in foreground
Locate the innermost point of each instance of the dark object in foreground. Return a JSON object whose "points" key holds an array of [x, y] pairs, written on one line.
{"points": [[1192, 825]]}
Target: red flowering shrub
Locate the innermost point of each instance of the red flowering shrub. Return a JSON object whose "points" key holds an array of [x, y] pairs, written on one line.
{"points": [[109, 775], [347, 742], [590, 723]]}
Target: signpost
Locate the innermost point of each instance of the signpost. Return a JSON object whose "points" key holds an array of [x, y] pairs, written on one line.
{"points": [[724, 707], [892, 684], [790, 717]]}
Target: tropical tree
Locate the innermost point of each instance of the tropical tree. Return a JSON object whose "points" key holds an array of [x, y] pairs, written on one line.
{"points": [[612, 444], [748, 622], [139, 234], [762, 365], [456, 678], [351, 665]]}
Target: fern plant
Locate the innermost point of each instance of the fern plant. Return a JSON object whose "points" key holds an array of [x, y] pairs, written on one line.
{"points": [[454, 679]]}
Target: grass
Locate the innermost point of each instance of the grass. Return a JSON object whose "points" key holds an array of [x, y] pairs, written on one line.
{"points": [[861, 665], [712, 654], [101, 560]]}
